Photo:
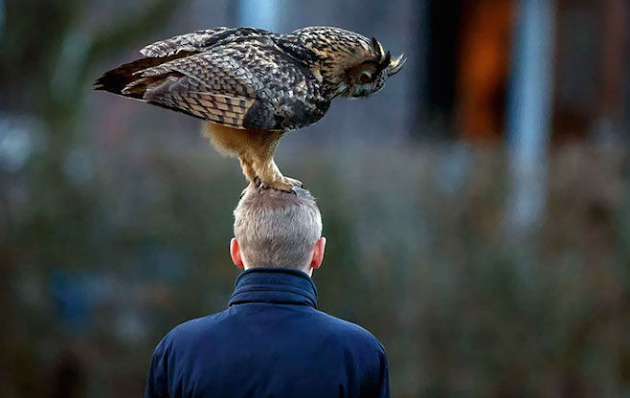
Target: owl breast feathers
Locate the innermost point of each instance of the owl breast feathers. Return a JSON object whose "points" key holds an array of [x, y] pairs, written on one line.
{"points": [[253, 80]]}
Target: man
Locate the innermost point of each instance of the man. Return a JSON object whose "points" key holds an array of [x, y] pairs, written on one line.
{"points": [[271, 341]]}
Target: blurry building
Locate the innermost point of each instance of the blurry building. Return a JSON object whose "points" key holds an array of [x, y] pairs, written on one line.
{"points": [[591, 69], [471, 48]]}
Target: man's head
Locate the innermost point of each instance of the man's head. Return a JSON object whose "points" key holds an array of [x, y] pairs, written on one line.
{"points": [[277, 229]]}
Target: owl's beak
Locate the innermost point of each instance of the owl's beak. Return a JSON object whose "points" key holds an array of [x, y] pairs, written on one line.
{"points": [[396, 65]]}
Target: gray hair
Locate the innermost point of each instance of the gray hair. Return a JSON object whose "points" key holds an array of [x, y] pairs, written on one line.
{"points": [[277, 229]]}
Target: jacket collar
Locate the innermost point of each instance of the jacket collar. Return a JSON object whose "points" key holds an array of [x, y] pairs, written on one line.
{"points": [[274, 285]]}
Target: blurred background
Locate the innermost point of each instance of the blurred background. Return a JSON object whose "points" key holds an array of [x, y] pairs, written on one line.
{"points": [[477, 209]]}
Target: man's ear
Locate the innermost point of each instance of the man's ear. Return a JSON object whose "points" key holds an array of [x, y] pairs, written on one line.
{"points": [[235, 253], [318, 253]]}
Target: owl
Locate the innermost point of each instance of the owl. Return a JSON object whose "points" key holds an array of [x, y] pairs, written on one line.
{"points": [[250, 86]]}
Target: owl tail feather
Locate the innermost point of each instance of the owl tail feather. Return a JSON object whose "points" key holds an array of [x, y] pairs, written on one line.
{"points": [[125, 80]]}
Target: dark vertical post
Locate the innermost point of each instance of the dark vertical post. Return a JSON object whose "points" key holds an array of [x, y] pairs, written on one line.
{"points": [[442, 32]]}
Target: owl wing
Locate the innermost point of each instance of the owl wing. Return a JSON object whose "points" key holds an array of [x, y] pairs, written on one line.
{"points": [[126, 76], [247, 84], [200, 40]]}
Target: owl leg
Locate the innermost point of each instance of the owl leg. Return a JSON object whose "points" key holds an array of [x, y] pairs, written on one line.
{"points": [[269, 176], [263, 173], [255, 150], [256, 155], [248, 168]]}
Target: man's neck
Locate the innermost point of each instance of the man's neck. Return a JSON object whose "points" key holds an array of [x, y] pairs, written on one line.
{"points": [[307, 270]]}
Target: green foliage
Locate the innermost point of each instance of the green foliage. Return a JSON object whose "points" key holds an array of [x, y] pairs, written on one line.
{"points": [[462, 306]]}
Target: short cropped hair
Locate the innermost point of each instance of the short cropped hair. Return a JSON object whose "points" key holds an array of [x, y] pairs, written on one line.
{"points": [[277, 229]]}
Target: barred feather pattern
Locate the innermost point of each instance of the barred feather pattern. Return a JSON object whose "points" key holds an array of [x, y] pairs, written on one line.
{"points": [[246, 78]]}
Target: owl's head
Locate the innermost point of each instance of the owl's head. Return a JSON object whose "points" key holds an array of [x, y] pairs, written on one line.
{"points": [[369, 70], [346, 62]]}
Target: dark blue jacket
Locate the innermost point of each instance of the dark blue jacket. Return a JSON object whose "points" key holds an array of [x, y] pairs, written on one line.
{"points": [[270, 342]]}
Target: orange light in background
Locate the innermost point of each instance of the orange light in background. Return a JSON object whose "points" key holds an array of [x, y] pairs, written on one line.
{"points": [[483, 70]]}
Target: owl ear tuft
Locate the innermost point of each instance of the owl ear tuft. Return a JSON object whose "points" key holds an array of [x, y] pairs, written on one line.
{"points": [[378, 48], [384, 62]]}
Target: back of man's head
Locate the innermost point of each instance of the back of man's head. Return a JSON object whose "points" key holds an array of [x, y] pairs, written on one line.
{"points": [[277, 229]]}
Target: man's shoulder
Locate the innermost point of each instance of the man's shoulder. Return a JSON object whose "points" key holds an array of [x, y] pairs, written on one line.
{"points": [[220, 326], [348, 332], [195, 328]]}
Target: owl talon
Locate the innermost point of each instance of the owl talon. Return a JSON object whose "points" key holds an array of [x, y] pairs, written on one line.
{"points": [[293, 182], [284, 185]]}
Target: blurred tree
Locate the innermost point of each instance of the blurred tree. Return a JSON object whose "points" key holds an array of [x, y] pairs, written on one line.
{"points": [[47, 76]]}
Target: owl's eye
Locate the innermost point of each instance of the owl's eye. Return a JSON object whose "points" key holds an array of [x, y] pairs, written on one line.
{"points": [[365, 77]]}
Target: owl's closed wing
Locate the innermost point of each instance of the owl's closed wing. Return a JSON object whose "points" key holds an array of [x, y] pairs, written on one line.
{"points": [[200, 40], [117, 80], [210, 86], [250, 86]]}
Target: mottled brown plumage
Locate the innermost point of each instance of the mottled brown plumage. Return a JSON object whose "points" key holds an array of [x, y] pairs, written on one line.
{"points": [[250, 85]]}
